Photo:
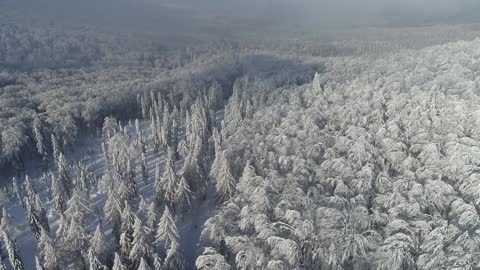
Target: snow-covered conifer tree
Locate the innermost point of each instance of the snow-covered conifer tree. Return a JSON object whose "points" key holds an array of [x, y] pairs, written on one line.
{"points": [[12, 251], [47, 251], [33, 219], [182, 198], [38, 264], [64, 175], [194, 167], [16, 189], [155, 134], [55, 147], [41, 213], [143, 105], [30, 190], [174, 259], [140, 245], [142, 208], [232, 118], [77, 208], [157, 262], [93, 261], [126, 236], [143, 265], [77, 238], [158, 184], [117, 263], [182, 148], [167, 233], [165, 129], [151, 219], [7, 225], [224, 180], [217, 140], [144, 168], [39, 138], [98, 243], [167, 187], [316, 82], [110, 127], [113, 213], [62, 230], [58, 194]]}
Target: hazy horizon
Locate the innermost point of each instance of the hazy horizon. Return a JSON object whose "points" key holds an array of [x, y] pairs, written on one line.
{"points": [[188, 15]]}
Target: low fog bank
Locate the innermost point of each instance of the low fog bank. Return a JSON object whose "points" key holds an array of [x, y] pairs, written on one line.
{"points": [[225, 18]]}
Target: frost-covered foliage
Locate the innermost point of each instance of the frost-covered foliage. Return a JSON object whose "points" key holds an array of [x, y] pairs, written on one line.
{"points": [[373, 166], [227, 157], [101, 75]]}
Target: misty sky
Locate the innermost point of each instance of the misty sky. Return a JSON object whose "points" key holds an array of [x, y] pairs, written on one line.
{"points": [[198, 15]]}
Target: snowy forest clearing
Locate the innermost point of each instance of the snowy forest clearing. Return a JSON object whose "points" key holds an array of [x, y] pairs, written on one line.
{"points": [[189, 223]]}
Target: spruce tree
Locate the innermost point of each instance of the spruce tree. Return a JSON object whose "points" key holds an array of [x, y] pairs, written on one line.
{"points": [[7, 225], [168, 184], [64, 175], [155, 134], [174, 137], [77, 208], [224, 180], [47, 251], [165, 129], [41, 213], [167, 233], [30, 190], [117, 263], [126, 236], [217, 141], [39, 138], [93, 261], [82, 182], [174, 259], [110, 127], [140, 244], [98, 243], [113, 213], [158, 185], [143, 105], [144, 168], [151, 219], [127, 186], [33, 219], [38, 264], [157, 262], [62, 230], [12, 251], [58, 194], [183, 194], [142, 208], [77, 237], [16, 189], [143, 265], [194, 167], [182, 148], [55, 147]]}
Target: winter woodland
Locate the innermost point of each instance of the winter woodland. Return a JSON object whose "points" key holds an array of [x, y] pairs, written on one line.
{"points": [[355, 152]]}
